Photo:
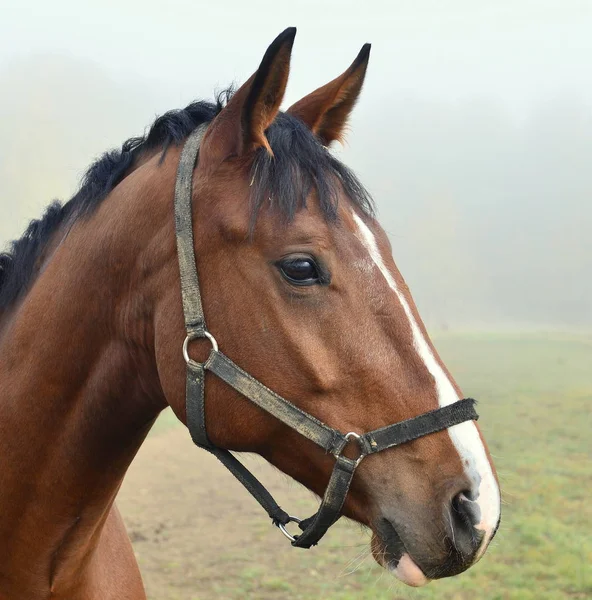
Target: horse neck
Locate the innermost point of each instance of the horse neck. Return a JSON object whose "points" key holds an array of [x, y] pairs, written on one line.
{"points": [[52, 243], [79, 394]]}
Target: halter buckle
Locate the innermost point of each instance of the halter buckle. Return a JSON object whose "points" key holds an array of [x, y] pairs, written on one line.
{"points": [[352, 435], [194, 336], [283, 529]]}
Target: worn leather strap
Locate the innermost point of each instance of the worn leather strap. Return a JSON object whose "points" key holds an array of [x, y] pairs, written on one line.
{"points": [[411, 429], [305, 424], [331, 440], [192, 307], [253, 485], [315, 527], [195, 404]]}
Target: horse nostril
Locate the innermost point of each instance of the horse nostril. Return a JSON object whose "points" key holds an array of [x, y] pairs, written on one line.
{"points": [[470, 494], [464, 514], [465, 508]]}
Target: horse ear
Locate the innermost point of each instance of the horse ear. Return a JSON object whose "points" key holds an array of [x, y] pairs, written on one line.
{"points": [[240, 126], [327, 109]]}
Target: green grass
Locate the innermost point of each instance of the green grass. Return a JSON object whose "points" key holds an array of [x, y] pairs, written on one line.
{"points": [[535, 393], [536, 400]]}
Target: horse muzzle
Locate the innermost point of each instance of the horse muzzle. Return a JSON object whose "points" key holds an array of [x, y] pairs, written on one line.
{"points": [[421, 548]]}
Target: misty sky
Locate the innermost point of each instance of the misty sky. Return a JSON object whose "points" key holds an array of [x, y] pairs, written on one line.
{"points": [[474, 131]]}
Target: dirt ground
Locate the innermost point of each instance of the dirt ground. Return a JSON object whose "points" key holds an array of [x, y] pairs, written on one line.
{"points": [[198, 534]]}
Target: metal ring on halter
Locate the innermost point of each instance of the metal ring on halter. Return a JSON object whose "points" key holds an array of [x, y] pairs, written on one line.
{"points": [[283, 529], [352, 435], [189, 338]]}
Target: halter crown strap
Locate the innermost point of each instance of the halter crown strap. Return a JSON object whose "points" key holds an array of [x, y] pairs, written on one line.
{"points": [[192, 308], [329, 439], [196, 328]]}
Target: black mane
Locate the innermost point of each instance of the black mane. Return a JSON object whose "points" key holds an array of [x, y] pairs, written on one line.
{"points": [[299, 165]]}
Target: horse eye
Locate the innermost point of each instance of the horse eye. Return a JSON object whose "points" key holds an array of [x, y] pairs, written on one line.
{"points": [[300, 270]]}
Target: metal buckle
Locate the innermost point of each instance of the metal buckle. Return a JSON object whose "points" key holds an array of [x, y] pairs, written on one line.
{"points": [[352, 435], [190, 338], [283, 529]]}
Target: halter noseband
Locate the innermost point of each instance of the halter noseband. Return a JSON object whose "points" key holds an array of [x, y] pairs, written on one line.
{"points": [[330, 440]]}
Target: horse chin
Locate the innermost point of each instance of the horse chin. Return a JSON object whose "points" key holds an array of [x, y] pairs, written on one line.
{"points": [[393, 556]]}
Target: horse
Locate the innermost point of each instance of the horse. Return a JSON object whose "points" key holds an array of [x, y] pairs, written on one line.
{"points": [[300, 289]]}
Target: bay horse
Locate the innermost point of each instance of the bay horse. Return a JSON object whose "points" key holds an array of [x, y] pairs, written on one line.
{"points": [[300, 289]]}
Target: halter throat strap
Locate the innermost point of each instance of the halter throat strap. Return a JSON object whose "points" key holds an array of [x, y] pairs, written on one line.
{"points": [[330, 440]]}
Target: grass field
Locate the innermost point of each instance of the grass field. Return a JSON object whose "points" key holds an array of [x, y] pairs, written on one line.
{"points": [[535, 395]]}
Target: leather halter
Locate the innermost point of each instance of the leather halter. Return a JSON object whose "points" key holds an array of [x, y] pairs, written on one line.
{"points": [[329, 439]]}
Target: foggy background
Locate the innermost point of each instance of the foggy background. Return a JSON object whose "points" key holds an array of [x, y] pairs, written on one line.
{"points": [[473, 133]]}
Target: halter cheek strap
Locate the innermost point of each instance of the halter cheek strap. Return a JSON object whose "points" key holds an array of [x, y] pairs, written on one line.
{"points": [[329, 439]]}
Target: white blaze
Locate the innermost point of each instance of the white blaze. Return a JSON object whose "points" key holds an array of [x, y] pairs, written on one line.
{"points": [[464, 436]]}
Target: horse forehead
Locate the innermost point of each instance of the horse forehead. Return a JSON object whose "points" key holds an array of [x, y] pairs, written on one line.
{"points": [[360, 228], [308, 227]]}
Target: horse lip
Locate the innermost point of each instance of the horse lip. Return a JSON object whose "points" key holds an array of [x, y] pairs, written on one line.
{"points": [[393, 545], [392, 554]]}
